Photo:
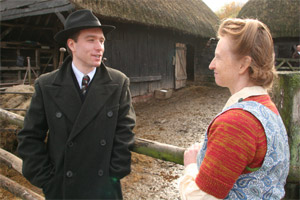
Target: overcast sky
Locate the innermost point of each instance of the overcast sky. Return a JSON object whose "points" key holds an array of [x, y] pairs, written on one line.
{"points": [[215, 5]]}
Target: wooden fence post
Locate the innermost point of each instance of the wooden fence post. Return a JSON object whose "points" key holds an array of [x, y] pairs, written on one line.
{"points": [[286, 95]]}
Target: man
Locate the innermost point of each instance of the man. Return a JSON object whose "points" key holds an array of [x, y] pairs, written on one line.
{"points": [[87, 125], [296, 53]]}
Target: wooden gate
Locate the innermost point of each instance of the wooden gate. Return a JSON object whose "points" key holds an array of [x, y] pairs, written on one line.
{"points": [[180, 66]]}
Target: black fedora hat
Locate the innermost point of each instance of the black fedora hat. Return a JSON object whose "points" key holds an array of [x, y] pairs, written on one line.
{"points": [[78, 20]]}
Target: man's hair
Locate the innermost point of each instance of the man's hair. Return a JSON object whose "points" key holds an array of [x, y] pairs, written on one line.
{"points": [[74, 37], [252, 38]]}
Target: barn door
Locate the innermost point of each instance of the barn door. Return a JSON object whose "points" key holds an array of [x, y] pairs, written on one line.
{"points": [[180, 66]]}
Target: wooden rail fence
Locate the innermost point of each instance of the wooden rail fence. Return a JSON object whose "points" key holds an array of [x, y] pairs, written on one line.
{"points": [[287, 64]]}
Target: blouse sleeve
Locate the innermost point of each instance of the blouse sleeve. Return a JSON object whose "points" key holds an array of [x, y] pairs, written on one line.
{"points": [[188, 188]]}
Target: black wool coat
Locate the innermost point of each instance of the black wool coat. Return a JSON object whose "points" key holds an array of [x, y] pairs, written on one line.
{"points": [[74, 149]]}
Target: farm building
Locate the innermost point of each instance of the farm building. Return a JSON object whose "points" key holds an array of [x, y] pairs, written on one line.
{"points": [[158, 44], [283, 19]]}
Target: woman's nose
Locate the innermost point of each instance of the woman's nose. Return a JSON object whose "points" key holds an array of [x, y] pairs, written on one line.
{"points": [[212, 65]]}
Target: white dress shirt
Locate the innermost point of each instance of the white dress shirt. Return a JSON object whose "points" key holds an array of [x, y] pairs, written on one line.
{"points": [[79, 75]]}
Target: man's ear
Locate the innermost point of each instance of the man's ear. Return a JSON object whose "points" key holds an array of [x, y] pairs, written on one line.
{"points": [[71, 43], [245, 64]]}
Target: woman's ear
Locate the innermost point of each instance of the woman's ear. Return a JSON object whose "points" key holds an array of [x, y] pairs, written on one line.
{"points": [[245, 64]]}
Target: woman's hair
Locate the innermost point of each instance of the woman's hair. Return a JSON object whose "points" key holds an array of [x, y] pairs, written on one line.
{"points": [[252, 38]]}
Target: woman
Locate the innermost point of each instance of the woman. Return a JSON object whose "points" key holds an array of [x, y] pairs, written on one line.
{"points": [[245, 154]]}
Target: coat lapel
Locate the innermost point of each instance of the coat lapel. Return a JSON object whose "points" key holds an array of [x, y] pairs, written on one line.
{"points": [[65, 94], [99, 92]]}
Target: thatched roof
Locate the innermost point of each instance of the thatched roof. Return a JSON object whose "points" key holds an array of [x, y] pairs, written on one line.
{"points": [[189, 16], [281, 16]]}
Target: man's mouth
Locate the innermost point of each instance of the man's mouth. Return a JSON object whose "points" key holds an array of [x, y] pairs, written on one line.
{"points": [[98, 56]]}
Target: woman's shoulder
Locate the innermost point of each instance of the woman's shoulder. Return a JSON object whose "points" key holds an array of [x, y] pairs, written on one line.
{"points": [[236, 121]]}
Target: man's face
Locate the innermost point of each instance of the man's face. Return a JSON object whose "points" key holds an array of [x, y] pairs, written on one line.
{"points": [[89, 48]]}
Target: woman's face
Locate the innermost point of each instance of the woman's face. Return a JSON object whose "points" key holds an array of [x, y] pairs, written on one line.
{"points": [[225, 65]]}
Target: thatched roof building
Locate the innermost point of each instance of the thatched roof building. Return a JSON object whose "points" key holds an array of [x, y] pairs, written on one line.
{"points": [[281, 16], [189, 16], [283, 19], [152, 38]]}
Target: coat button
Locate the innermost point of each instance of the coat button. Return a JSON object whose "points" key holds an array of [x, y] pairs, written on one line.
{"points": [[110, 114], [71, 144], [58, 114], [103, 142], [100, 172], [69, 174]]}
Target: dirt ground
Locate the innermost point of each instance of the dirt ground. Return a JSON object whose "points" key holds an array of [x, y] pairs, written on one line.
{"points": [[180, 120]]}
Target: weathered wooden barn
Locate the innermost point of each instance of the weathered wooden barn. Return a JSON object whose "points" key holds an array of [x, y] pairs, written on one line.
{"points": [[158, 44], [283, 19]]}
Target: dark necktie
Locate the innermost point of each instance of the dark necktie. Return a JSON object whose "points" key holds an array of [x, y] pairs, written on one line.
{"points": [[85, 83]]}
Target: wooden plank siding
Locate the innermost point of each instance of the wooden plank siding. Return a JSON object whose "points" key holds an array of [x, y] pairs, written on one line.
{"points": [[146, 54], [143, 54]]}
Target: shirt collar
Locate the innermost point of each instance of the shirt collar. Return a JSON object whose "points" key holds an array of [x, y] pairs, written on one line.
{"points": [[79, 75], [245, 93]]}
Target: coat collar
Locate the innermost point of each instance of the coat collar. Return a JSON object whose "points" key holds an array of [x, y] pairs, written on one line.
{"points": [[68, 100], [63, 76]]}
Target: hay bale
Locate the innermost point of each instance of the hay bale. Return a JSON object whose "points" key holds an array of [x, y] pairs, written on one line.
{"points": [[17, 101]]}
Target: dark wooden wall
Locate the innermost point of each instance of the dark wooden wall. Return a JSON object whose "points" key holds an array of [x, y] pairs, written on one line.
{"points": [[145, 54]]}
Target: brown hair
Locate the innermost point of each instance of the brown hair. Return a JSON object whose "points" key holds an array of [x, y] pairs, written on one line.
{"points": [[252, 38], [74, 37]]}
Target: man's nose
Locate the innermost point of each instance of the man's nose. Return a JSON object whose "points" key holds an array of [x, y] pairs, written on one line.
{"points": [[99, 45]]}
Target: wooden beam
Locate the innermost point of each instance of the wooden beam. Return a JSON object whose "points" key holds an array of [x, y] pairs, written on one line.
{"points": [[13, 68], [11, 160], [145, 79], [158, 150], [60, 17], [18, 190], [11, 117], [26, 26]]}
